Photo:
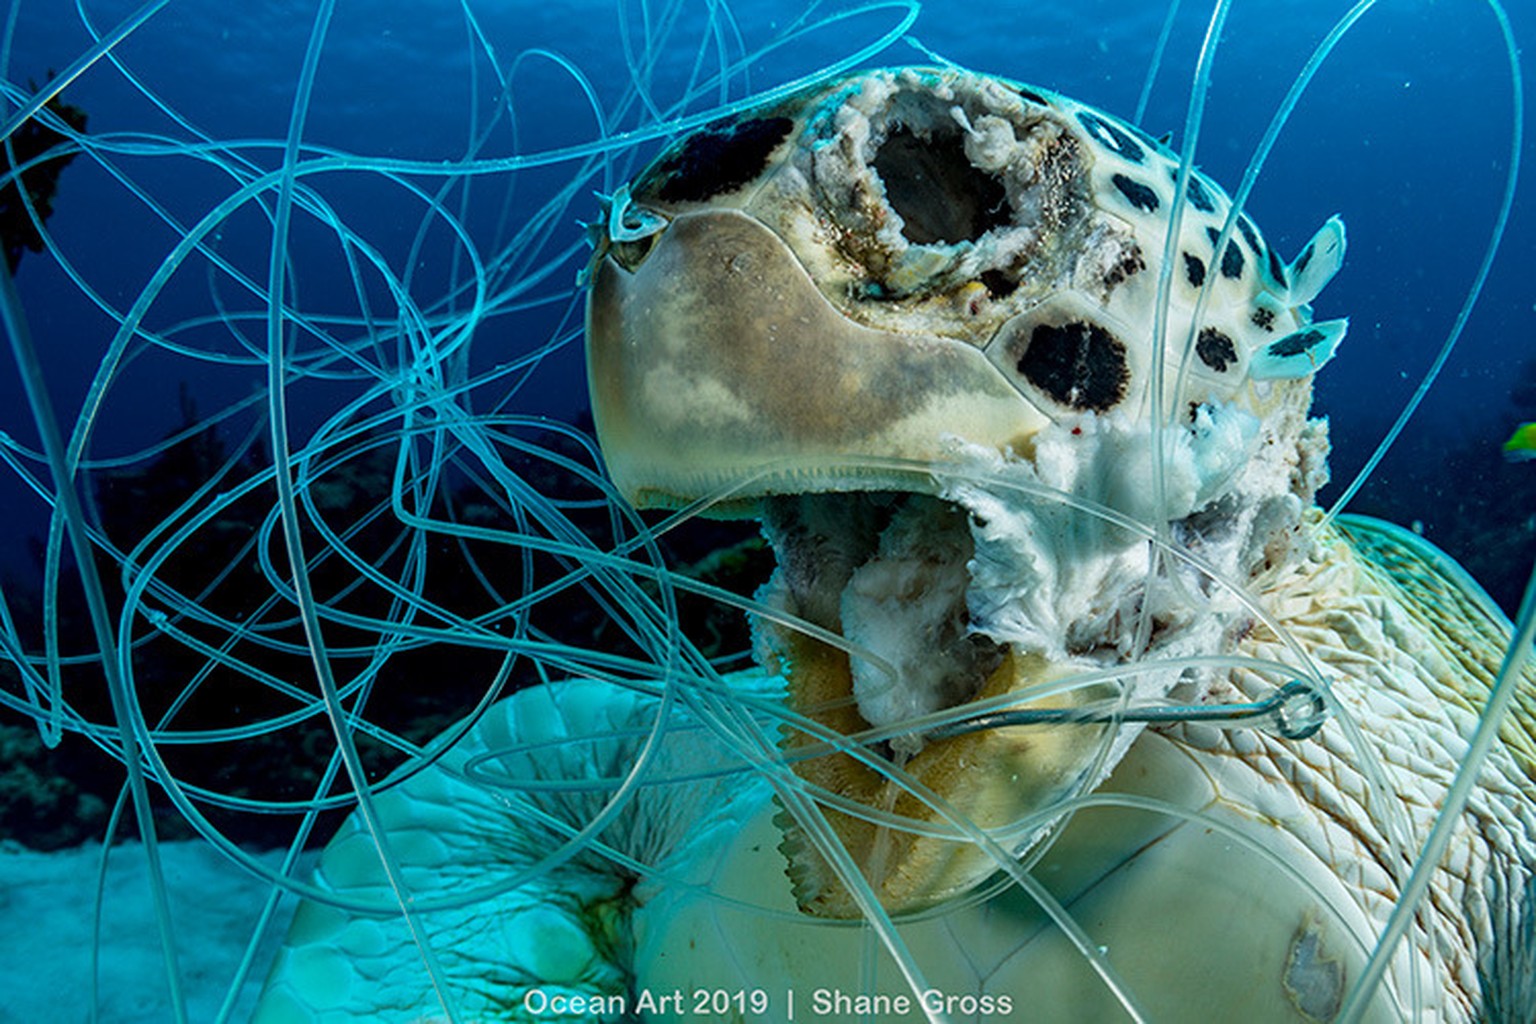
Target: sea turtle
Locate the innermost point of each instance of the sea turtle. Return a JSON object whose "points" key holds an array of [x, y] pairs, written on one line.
{"points": [[1030, 440]]}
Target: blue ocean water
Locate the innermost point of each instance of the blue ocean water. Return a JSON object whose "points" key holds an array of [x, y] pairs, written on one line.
{"points": [[1405, 133]]}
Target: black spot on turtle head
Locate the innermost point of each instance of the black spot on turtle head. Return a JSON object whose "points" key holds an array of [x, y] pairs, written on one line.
{"points": [[1215, 349], [1276, 268], [1130, 263], [1303, 260], [1111, 137], [1296, 343], [718, 158], [1079, 364], [1136, 193], [1199, 197], [1232, 262], [1231, 257], [1032, 97], [1194, 269], [1264, 318], [1250, 234]]}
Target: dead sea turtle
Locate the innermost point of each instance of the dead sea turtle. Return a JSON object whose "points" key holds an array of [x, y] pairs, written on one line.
{"points": [[1030, 438]]}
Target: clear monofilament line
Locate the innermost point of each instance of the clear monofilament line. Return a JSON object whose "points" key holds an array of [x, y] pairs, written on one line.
{"points": [[1293, 712]]}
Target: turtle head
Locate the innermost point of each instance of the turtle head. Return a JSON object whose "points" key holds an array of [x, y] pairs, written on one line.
{"points": [[910, 319]]}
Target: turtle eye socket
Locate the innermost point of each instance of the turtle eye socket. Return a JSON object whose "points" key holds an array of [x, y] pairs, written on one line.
{"points": [[940, 195]]}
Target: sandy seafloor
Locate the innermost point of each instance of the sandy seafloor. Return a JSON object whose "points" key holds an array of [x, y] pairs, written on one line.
{"points": [[46, 921]]}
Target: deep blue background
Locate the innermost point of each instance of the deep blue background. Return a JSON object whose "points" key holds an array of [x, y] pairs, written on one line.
{"points": [[1405, 133]]}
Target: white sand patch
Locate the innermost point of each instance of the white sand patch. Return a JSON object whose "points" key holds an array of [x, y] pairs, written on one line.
{"points": [[47, 903]]}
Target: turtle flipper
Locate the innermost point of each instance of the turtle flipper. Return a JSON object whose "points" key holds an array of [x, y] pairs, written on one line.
{"points": [[481, 836], [453, 838]]}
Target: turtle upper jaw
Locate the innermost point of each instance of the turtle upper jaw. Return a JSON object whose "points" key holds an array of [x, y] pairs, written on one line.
{"points": [[718, 364]]}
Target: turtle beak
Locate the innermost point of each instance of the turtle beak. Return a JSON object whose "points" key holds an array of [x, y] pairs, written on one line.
{"points": [[717, 365]]}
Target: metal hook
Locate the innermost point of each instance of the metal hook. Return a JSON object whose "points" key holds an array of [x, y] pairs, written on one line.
{"points": [[1293, 712]]}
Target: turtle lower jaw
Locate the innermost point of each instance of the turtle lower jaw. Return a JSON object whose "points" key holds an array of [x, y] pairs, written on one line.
{"points": [[888, 573]]}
